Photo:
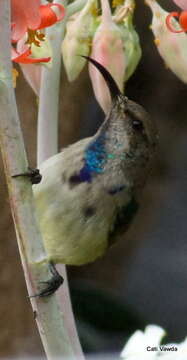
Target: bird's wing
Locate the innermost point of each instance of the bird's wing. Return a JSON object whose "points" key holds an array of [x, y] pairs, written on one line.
{"points": [[124, 217]]}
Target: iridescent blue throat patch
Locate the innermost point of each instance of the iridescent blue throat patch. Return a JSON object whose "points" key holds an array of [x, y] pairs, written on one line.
{"points": [[95, 159]]}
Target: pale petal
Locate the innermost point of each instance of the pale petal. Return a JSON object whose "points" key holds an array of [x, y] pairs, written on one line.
{"points": [[32, 74], [181, 3], [18, 19], [25, 14], [136, 347]]}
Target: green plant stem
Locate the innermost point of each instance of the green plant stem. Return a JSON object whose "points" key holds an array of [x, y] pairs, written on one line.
{"points": [[48, 146], [52, 331], [49, 98], [75, 6], [49, 88]]}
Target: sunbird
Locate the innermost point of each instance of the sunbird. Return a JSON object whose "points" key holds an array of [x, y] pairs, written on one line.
{"points": [[88, 193]]}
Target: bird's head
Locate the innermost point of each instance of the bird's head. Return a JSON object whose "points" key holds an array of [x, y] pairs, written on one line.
{"points": [[140, 136]]}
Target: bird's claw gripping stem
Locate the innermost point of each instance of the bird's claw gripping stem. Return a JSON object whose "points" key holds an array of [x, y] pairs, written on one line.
{"points": [[33, 174], [52, 284]]}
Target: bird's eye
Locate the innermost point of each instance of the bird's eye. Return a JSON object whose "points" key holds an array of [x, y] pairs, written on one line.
{"points": [[137, 125]]}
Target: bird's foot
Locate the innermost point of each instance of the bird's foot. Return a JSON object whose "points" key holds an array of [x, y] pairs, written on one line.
{"points": [[52, 284], [33, 174]]}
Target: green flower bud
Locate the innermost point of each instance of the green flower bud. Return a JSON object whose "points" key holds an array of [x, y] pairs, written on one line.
{"points": [[77, 40], [124, 17]]}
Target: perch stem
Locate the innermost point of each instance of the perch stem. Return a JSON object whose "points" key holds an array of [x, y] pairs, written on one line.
{"points": [[48, 145], [50, 322]]}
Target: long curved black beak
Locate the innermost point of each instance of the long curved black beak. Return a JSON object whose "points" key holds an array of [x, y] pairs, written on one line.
{"points": [[113, 87]]}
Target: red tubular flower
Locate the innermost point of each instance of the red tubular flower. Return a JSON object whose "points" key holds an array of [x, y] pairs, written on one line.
{"points": [[23, 58], [30, 14], [182, 21], [48, 16]]}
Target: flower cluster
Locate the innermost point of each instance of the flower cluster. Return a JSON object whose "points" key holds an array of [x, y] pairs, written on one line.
{"points": [[28, 18], [108, 36]]}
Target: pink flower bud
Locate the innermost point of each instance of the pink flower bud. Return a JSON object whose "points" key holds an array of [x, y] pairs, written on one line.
{"points": [[107, 49], [171, 46]]}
